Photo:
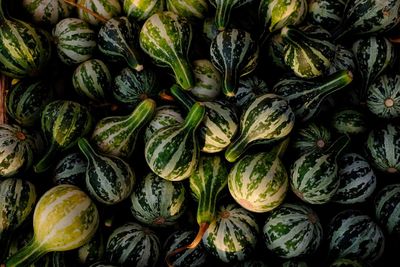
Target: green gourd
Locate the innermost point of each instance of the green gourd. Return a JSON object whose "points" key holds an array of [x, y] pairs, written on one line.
{"points": [[224, 9]]}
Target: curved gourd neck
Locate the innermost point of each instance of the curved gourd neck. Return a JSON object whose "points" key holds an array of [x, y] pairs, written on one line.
{"points": [[27, 255], [142, 113], [335, 81], [183, 97], [45, 163], [338, 146], [86, 148], [195, 116]]}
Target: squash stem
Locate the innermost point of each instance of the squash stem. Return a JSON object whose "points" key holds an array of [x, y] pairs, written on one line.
{"points": [[235, 150], [230, 83], [184, 98], [91, 12], [195, 116], [26, 256], [3, 93]]}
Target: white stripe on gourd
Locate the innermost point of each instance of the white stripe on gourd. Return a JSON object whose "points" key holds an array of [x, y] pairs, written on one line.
{"points": [[387, 208], [190, 9], [140, 10], [105, 8], [47, 11]]}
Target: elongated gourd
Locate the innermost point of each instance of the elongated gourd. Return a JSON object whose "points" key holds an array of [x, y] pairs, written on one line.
{"points": [[65, 218], [140, 10], [166, 38]]}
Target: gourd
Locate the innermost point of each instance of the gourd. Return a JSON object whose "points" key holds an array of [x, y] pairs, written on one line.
{"points": [[65, 218], [166, 38], [234, 53], [208, 82], [47, 12], [387, 208], [107, 9], [224, 9], [141, 10], [24, 50], [191, 9]]}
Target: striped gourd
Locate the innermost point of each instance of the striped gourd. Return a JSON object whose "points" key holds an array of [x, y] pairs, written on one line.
{"points": [[92, 251], [373, 55], [105, 8], [292, 230], [172, 152], [275, 47], [92, 79], [158, 202], [109, 179], [251, 263], [357, 179], [140, 10], [165, 115], [17, 200], [166, 38], [234, 53], [224, 9], [47, 12], [326, 13], [118, 41], [353, 234], [387, 208], [268, 118], [24, 49], [75, 40], [62, 123], [190, 9], [233, 235], [65, 218], [208, 83], [209, 29], [383, 97], [26, 99], [17, 149], [133, 245], [70, 169], [349, 121], [344, 60], [312, 137], [294, 263], [305, 96], [132, 87], [259, 182], [307, 56], [313, 176], [345, 262], [249, 88], [368, 17], [276, 14], [117, 135], [220, 122], [383, 148], [190, 257]]}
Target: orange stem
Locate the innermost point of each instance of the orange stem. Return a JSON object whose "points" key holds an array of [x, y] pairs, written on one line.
{"points": [[165, 96], [395, 40], [91, 12], [3, 92]]}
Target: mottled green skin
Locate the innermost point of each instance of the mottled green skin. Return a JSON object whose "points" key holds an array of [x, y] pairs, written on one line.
{"points": [[387, 208], [70, 169], [373, 55], [313, 176], [191, 257], [234, 53], [383, 148], [158, 202], [307, 56], [224, 9], [306, 96], [191, 9], [249, 88], [292, 230], [133, 245], [362, 17], [383, 97], [269, 117], [326, 13], [118, 41], [354, 235], [26, 99], [109, 179], [311, 138], [140, 10], [17, 150], [105, 8], [173, 152], [24, 49], [350, 121], [47, 12], [344, 60], [117, 135], [166, 38], [132, 87], [233, 235], [206, 183], [63, 122]]}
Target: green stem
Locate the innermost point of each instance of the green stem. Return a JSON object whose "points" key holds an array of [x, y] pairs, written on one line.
{"points": [[182, 97], [336, 81], [230, 83], [195, 116], [223, 14], [133, 60], [26, 256], [45, 163], [142, 114], [183, 73], [236, 149]]}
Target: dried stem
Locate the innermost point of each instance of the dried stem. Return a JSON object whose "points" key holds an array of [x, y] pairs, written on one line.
{"points": [[395, 40], [91, 12], [3, 92]]}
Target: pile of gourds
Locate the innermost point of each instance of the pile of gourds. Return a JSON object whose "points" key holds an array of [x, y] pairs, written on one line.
{"points": [[193, 133]]}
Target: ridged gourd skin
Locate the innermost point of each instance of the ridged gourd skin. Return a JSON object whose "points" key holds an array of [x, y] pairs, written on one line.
{"points": [[387, 208], [208, 84], [312, 137], [166, 38], [350, 121], [105, 8], [292, 230], [353, 234], [233, 235], [193, 10], [157, 202], [326, 13], [249, 88], [141, 10], [70, 169], [133, 245], [24, 49], [64, 219], [47, 12]]}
